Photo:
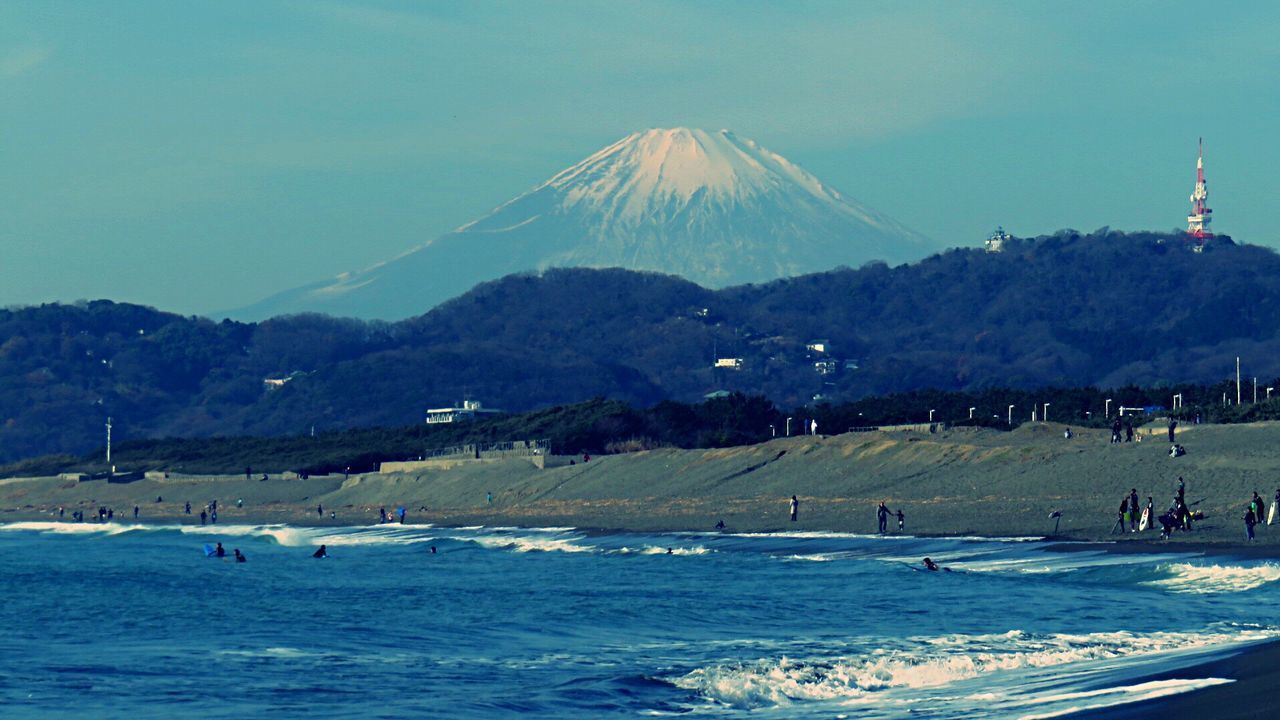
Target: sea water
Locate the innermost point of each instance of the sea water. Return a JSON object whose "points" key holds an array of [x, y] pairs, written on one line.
{"points": [[134, 621]]}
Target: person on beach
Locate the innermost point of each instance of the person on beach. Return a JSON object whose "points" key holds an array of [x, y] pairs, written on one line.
{"points": [[882, 514], [320, 510], [1182, 488], [239, 502], [1261, 515], [1173, 425], [382, 515], [1123, 518], [795, 508], [239, 557], [1249, 521], [1133, 510], [720, 523], [1253, 506], [213, 517], [400, 510], [488, 498], [219, 552], [203, 517], [1277, 504], [902, 521], [135, 510], [187, 509], [320, 553], [1115, 431]]}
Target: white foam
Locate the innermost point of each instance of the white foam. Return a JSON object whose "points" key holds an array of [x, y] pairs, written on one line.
{"points": [[109, 528], [933, 662], [530, 543], [1211, 579], [1108, 697]]}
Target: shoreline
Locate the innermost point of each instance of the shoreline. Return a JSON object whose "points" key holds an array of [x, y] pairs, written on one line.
{"points": [[1056, 544], [1254, 670]]}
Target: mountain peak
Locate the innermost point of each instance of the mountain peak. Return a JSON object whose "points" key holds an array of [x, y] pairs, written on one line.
{"points": [[713, 207], [647, 172]]}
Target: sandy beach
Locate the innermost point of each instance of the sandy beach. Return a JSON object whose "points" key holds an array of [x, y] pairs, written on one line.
{"points": [[957, 482]]}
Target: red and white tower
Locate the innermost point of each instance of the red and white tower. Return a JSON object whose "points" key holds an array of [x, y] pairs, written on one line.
{"points": [[1200, 217]]}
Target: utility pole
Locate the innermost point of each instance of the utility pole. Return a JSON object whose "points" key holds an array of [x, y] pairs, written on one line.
{"points": [[1237, 380], [108, 441], [1255, 391]]}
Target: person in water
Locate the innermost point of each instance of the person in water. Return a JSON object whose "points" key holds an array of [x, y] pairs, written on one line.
{"points": [[219, 552], [239, 557], [931, 565], [320, 553]]}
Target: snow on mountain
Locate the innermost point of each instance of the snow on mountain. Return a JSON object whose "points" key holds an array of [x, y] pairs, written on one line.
{"points": [[709, 206]]}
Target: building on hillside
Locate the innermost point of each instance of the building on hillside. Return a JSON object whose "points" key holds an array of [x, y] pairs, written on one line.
{"points": [[275, 383], [821, 347], [467, 411], [826, 367], [996, 242], [716, 394], [730, 363]]}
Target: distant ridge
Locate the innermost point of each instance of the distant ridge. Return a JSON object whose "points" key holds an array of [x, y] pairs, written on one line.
{"points": [[711, 207]]}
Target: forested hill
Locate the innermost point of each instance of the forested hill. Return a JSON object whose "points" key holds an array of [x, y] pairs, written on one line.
{"points": [[1067, 310]]}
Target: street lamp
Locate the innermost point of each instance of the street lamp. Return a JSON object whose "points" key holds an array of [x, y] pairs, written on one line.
{"points": [[1269, 392], [1177, 401], [1010, 416], [788, 427], [930, 416], [971, 412], [1045, 417], [773, 432], [1107, 411]]}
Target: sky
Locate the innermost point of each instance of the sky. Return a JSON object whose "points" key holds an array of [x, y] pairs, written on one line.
{"points": [[198, 157]]}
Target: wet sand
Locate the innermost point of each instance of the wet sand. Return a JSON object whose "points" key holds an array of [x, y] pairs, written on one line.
{"points": [[1255, 670]]}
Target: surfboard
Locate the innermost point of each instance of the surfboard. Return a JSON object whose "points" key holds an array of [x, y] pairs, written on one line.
{"points": [[1271, 515], [1145, 522], [208, 550]]}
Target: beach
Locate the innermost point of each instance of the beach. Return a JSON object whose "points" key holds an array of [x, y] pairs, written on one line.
{"points": [[1187, 614], [958, 482]]}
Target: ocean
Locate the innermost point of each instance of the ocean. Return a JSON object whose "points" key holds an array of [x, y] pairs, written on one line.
{"points": [[134, 621]]}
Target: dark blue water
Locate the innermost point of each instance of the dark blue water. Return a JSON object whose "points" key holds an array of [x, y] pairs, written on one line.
{"points": [[111, 622]]}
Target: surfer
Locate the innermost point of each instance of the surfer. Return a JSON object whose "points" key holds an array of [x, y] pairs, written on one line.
{"points": [[320, 553], [1133, 510], [433, 549], [239, 557], [795, 507], [219, 552], [1262, 508], [1148, 514], [1249, 521], [929, 564]]}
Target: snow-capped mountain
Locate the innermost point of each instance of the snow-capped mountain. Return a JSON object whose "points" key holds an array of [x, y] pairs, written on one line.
{"points": [[712, 207]]}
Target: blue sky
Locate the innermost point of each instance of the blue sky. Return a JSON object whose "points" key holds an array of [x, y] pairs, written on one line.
{"points": [[199, 156]]}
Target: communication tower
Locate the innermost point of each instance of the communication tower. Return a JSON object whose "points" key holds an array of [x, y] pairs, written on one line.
{"points": [[1200, 217]]}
